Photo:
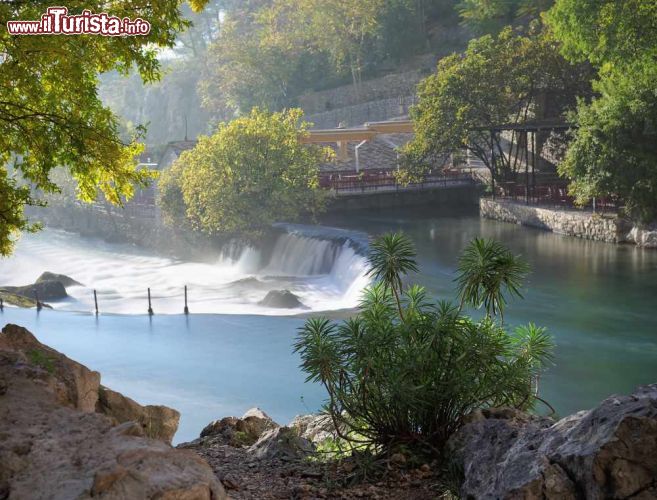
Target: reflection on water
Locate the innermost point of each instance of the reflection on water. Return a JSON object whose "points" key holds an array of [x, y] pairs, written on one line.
{"points": [[598, 301], [205, 366]]}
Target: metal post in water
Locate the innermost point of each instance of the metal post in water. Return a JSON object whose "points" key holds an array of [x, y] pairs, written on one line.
{"points": [[96, 302], [150, 308], [186, 308]]}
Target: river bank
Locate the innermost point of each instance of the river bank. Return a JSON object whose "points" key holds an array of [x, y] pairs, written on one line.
{"points": [[68, 436], [583, 224]]}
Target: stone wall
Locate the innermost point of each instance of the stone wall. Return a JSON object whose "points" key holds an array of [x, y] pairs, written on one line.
{"points": [[454, 196], [372, 111], [386, 87], [571, 222]]}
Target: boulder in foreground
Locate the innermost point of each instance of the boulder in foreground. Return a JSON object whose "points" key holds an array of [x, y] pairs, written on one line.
{"points": [[55, 445], [157, 422], [606, 452]]}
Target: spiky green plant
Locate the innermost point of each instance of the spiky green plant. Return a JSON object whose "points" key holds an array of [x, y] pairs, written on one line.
{"points": [[486, 271], [391, 257], [405, 371]]}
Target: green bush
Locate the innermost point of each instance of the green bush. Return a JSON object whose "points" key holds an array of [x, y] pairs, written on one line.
{"points": [[404, 372]]}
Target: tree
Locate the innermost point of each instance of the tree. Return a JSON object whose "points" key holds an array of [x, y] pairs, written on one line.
{"points": [[499, 80], [251, 173], [50, 113], [247, 67], [491, 16], [606, 32], [408, 380], [340, 28], [614, 152]]}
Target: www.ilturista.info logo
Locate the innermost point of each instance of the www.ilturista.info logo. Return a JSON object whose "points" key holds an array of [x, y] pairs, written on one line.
{"points": [[56, 21]]}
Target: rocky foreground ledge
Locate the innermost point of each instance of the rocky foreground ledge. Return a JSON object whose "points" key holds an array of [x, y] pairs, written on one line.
{"points": [[64, 436]]}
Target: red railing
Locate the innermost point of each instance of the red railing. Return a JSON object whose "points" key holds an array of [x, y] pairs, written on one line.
{"points": [[368, 181], [554, 194]]}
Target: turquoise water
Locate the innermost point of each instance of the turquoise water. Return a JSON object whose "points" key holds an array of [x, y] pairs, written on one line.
{"points": [[598, 301]]}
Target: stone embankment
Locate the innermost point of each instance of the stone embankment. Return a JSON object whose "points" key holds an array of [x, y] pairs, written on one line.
{"points": [[65, 436], [571, 222]]}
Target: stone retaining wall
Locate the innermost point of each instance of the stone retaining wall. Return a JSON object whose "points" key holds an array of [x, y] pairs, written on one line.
{"points": [[454, 196], [563, 221]]}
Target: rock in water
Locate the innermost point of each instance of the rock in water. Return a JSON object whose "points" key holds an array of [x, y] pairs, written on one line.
{"points": [[55, 446], [62, 278], [607, 452], [283, 299], [46, 290]]}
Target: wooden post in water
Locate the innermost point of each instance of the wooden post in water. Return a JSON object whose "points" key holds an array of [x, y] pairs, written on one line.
{"points": [[150, 308], [186, 308], [38, 303], [96, 302]]}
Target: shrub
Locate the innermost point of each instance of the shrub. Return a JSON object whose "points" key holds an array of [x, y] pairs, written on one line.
{"points": [[405, 371]]}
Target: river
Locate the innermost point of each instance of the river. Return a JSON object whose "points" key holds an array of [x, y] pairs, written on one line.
{"points": [[598, 301]]}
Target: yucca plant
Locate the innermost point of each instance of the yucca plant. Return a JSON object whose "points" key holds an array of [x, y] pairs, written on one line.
{"points": [[405, 371], [486, 270]]}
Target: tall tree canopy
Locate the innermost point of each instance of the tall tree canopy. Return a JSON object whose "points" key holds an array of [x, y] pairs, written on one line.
{"points": [[614, 152], [251, 173], [508, 78], [606, 32], [50, 113], [269, 52], [491, 16]]}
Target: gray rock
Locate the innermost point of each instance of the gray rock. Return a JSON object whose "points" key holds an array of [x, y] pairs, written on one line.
{"points": [[237, 432], [62, 278], [283, 299], [607, 452], [314, 427], [281, 443]]}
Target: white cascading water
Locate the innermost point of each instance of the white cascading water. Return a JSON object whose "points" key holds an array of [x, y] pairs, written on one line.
{"points": [[324, 267]]}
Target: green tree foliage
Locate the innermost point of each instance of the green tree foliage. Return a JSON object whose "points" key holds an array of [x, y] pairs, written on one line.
{"points": [[503, 79], [269, 52], [615, 148], [491, 16], [247, 67], [606, 32], [252, 172], [614, 152], [339, 28], [409, 379], [50, 113]]}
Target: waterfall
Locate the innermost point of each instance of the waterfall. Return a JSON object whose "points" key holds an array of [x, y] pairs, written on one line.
{"points": [[324, 267]]}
